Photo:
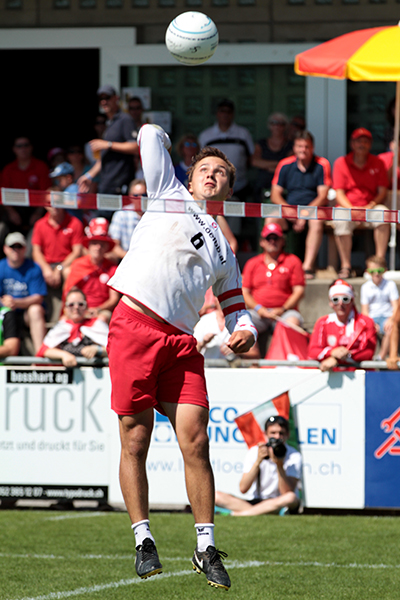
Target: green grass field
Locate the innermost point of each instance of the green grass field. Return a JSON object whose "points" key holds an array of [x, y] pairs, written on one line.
{"points": [[47, 555]]}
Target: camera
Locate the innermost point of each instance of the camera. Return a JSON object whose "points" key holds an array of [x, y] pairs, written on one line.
{"points": [[278, 447]]}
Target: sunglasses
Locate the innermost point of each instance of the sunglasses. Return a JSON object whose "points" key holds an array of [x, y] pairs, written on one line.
{"points": [[272, 238], [77, 304], [25, 145], [17, 246], [190, 144], [343, 299], [104, 98], [380, 270]]}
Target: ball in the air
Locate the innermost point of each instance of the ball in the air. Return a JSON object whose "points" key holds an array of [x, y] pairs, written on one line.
{"points": [[192, 38]]}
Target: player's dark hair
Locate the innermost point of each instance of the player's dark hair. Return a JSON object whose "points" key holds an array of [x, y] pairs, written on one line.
{"points": [[211, 151]]}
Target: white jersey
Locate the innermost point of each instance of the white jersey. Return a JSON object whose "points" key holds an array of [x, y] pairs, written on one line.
{"points": [[174, 258], [266, 485]]}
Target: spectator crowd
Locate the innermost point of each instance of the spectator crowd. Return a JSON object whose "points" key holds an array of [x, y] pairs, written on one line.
{"points": [[48, 253]]}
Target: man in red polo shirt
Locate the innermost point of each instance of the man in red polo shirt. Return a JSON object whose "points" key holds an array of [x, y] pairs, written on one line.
{"points": [[57, 240], [273, 283], [360, 180]]}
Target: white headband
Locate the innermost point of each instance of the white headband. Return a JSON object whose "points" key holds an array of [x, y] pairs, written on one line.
{"points": [[340, 289]]}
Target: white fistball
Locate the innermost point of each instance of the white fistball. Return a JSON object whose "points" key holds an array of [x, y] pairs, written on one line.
{"points": [[192, 38]]}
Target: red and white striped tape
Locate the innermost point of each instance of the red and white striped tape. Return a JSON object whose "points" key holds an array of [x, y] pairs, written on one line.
{"points": [[33, 198]]}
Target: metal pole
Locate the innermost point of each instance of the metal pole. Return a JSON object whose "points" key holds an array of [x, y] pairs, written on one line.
{"points": [[393, 230]]}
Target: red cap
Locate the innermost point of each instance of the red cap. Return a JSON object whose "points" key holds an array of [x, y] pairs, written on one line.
{"points": [[361, 132], [272, 228], [97, 231]]}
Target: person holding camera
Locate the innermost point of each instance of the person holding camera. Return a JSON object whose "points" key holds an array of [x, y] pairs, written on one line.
{"points": [[271, 474]]}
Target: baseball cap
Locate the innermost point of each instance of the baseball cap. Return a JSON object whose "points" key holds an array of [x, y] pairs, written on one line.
{"points": [[64, 168], [361, 132], [271, 228], [107, 90], [15, 238]]}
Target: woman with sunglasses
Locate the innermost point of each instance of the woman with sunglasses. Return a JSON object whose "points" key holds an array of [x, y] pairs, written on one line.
{"points": [[344, 337], [75, 335]]}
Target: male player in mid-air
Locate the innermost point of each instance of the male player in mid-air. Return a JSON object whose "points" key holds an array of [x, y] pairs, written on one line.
{"points": [[172, 260]]}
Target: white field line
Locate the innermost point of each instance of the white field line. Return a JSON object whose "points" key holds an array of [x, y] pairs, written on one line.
{"points": [[229, 564], [76, 516]]}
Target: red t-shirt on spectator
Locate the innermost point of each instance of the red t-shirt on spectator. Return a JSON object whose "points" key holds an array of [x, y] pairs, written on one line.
{"points": [[359, 185], [35, 177], [272, 287], [56, 242], [91, 280]]}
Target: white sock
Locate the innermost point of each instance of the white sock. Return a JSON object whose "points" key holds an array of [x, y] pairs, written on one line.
{"points": [[141, 529], [205, 536]]}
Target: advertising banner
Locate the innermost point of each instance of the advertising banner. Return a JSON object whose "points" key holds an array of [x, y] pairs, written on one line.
{"points": [[382, 447], [54, 433], [59, 438]]}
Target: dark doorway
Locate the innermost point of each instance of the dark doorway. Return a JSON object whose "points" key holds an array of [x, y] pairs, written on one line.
{"points": [[49, 95]]}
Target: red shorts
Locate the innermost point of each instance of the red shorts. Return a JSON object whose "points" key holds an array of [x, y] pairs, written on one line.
{"points": [[151, 362]]}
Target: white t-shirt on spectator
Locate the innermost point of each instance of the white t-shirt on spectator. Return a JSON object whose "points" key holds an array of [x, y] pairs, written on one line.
{"points": [[379, 297], [267, 487]]}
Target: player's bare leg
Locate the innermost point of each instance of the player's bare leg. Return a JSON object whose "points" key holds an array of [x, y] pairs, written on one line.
{"points": [[190, 424], [135, 433]]}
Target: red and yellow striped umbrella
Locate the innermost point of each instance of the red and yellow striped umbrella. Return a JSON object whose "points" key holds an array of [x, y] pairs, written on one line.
{"points": [[364, 55]]}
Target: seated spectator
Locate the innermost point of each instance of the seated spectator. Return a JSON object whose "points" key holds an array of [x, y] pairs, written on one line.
{"points": [[303, 179], [57, 240], [74, 335], [124, 222], [91, 273], [25, 173], [187, 148], [269, 151], [23, 288], [271, 481], [273, 283], [360, 181], [63, 178], [379, 300], [343, 337], [9, 334]]}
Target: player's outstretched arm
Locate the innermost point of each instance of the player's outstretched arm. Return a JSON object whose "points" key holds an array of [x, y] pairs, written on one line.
{"points": [[241, 341]]}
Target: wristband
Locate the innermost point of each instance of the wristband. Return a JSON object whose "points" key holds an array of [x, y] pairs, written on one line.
{"points": [[109, 145], [88, 176], [257, 307], [99, 351]]}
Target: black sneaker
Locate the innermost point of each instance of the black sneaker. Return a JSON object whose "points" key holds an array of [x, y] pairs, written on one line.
{"points": [[211, 564], [147, 562]]}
